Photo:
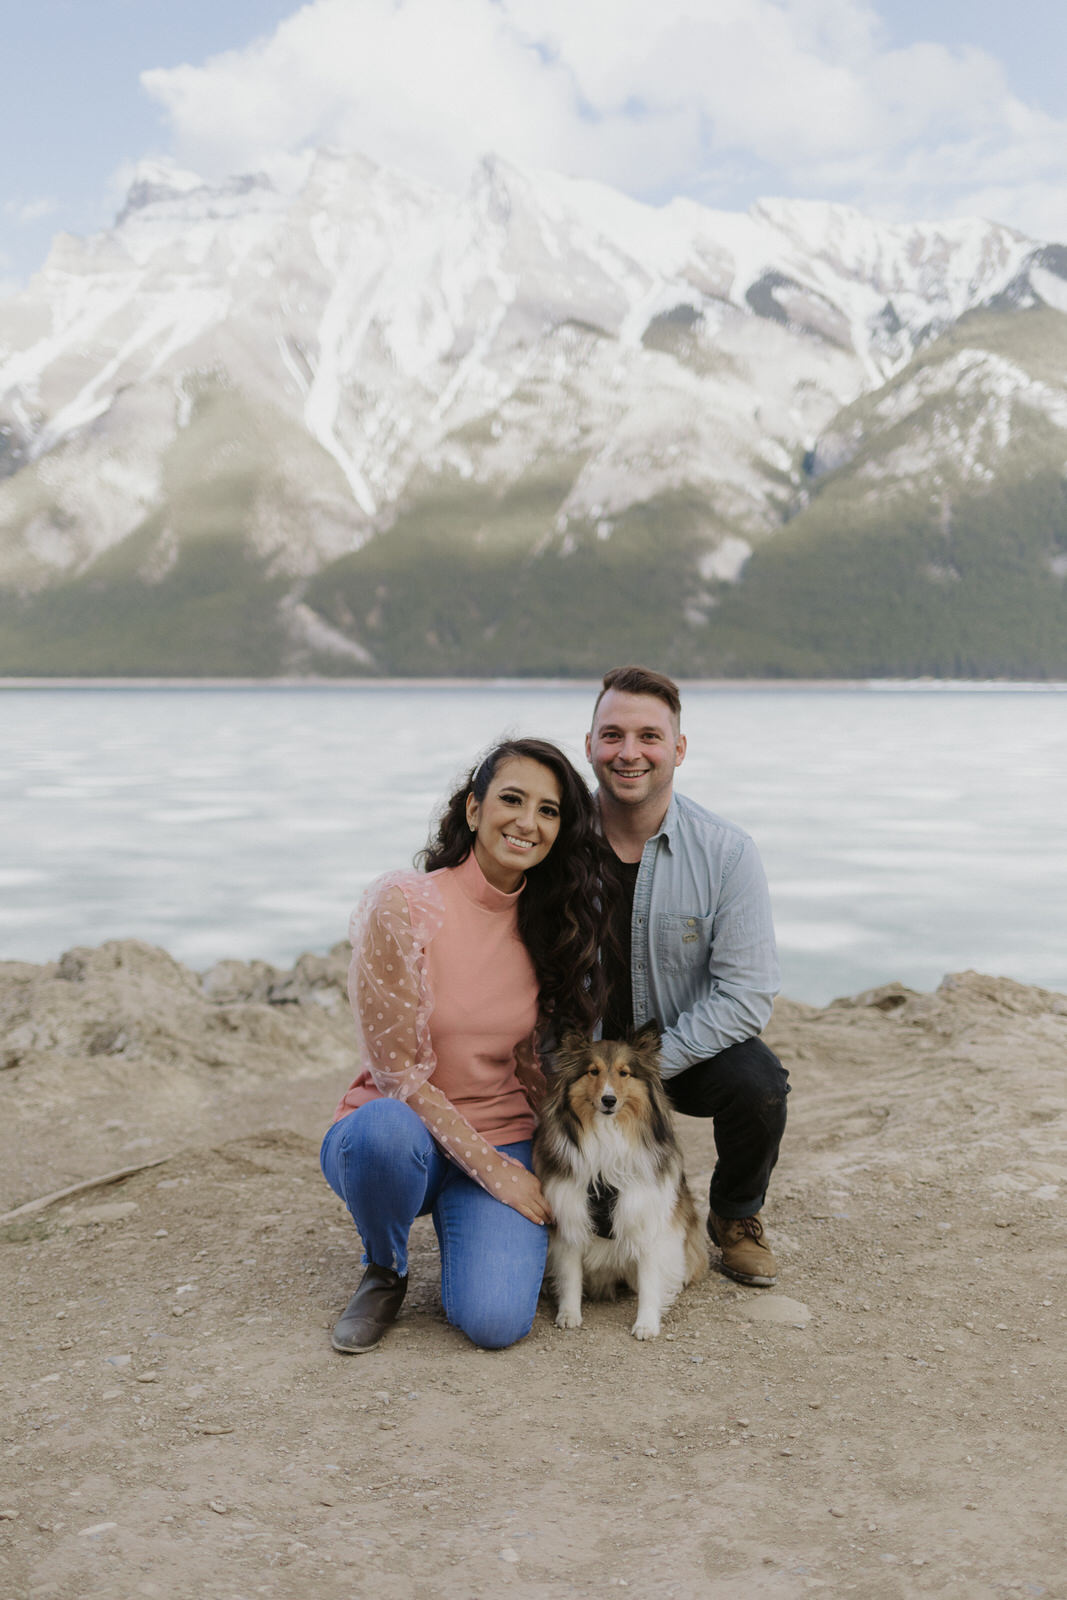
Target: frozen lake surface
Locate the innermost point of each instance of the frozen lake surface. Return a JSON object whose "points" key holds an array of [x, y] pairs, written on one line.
{"points": [[907, 831]]}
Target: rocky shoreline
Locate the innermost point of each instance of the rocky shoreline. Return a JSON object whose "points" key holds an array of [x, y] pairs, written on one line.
{"points": [[175, 1422]]}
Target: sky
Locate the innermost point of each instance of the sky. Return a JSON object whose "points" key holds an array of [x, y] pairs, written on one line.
{"points": [[906, 109]]}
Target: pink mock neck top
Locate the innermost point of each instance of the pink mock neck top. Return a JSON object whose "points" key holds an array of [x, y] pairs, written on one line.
{"points": [[444, 993]]}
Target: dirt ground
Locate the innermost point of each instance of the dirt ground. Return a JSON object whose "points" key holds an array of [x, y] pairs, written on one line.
{"points": [[887, 1422]]}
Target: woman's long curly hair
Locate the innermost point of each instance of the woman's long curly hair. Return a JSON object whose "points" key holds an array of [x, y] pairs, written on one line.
{"points": [[561, 919]]}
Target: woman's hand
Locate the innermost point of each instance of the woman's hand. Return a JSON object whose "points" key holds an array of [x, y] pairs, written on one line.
{"points": [[522, 1192]]}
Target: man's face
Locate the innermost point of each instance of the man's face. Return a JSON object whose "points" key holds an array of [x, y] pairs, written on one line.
{"points": [[634, 748]]}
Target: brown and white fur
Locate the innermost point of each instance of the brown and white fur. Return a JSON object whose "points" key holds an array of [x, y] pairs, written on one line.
{"points": [[606, 1127]]}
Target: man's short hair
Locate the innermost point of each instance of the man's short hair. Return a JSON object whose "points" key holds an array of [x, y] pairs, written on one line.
{"points": [[641, 680]]}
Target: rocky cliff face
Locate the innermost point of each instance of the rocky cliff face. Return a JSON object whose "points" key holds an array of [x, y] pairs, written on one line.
{"points": [[368, 425]]}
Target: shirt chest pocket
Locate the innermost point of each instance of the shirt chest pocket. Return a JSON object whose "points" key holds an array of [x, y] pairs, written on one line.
{"points": [[683, 943]]}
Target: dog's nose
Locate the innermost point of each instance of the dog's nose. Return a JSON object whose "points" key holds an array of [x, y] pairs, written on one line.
{"points": [[608, 1101]]}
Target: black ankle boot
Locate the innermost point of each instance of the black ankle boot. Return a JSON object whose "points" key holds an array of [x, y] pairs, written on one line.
{"points": [[370, 1311]]}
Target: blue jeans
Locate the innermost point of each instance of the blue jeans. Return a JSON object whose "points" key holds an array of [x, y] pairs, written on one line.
{"points": [[387, 1169]]}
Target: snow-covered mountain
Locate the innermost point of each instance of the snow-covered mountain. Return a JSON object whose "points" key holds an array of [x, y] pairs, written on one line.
{"points": [[368, 376]]}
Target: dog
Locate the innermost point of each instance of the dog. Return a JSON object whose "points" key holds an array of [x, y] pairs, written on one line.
{"points": [[608, 1160]]}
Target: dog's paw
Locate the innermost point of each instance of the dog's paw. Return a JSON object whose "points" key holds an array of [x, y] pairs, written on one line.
{"points": [[646, 1328], [566, 1318]]}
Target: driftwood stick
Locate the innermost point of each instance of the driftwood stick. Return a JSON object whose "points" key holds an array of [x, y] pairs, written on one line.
{"points": [[103, 1182]]}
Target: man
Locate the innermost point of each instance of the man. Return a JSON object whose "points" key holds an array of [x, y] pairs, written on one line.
{"points": [[692, 923]]}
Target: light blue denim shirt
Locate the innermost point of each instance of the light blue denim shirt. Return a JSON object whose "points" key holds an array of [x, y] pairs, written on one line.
{"points": [[703, 962]]}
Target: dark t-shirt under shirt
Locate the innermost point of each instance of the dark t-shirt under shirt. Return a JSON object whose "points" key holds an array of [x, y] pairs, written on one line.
{"points": [[619, 1005]]}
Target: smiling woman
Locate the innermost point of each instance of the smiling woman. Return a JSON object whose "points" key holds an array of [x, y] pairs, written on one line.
{"points": [[456, 971], [516, 824]]}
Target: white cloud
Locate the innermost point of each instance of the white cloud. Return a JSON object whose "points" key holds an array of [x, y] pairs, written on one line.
{"points": [[24, 212], [719, 99]]}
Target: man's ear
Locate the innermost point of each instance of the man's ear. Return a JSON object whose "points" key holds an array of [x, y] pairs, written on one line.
{"points": [[589, 747], [680, 746]]}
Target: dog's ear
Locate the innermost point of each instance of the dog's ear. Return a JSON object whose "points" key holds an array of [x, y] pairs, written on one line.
{"points": [[571, 1053], [647, 1038]]}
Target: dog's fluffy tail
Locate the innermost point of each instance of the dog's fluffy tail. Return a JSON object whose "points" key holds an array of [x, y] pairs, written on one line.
{"points": [[696, 1244]]}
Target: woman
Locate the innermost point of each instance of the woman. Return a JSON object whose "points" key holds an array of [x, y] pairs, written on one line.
{"points": [[454, 972]]}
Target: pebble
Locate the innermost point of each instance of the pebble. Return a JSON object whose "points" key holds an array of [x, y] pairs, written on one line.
{"points": [[119, 1361], [384, 1424], [111, 1211], [778, 1308], [8, 1514], [383, 1395], [218, 1507], [97, 1527], [508, 1554], [835, 1512], [148, 1377], [215, 1428], [651, 1451]]}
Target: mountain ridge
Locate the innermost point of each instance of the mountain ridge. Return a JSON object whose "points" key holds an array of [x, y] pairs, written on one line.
{"points": [[396, 430]]}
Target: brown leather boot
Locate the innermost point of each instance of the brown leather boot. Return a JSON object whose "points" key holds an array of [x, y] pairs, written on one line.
{"points": [[746, 1255], [370, 1311]]}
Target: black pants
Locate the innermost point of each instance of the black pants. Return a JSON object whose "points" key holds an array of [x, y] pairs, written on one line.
{"points": [[743, 1091]]}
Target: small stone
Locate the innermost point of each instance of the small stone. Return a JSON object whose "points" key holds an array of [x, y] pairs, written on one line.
{"points": [[148, 1377], [97, 1527], [383, 1395], [696, 1360], [651, 1451], [815, 1404], [119, 1361], [508, 1554], [214, 1428], [8, 1514], [160, 1233], [217, 1506], [743, 1422], [111, 1394], [835, 1511], [384, 1424], [972, 1505], [110, 1211], [785, 1452]]}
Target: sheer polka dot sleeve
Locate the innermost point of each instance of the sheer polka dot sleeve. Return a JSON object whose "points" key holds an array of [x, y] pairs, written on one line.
{"points": [[475, 1155], [388, 985]]}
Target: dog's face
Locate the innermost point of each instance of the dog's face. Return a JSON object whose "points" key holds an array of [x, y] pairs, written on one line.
{"points": [[610, 1078]]}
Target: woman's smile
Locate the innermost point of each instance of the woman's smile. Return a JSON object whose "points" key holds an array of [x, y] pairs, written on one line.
{"points": [[515, 826]]}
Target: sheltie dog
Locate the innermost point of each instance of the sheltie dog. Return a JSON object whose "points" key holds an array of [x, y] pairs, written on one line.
{"points": [[610, 1167]]}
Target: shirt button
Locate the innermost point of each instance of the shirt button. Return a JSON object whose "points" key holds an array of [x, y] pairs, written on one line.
{"points": [[691, 922]]}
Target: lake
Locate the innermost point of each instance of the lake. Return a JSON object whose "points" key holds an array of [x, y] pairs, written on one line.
{"points": [[907, 830]]}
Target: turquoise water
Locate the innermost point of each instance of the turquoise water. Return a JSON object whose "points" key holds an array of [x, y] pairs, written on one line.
{"points": [[907, 832]]}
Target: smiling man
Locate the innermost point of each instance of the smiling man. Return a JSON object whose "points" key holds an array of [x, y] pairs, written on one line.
{"points": [[695, 950]]}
